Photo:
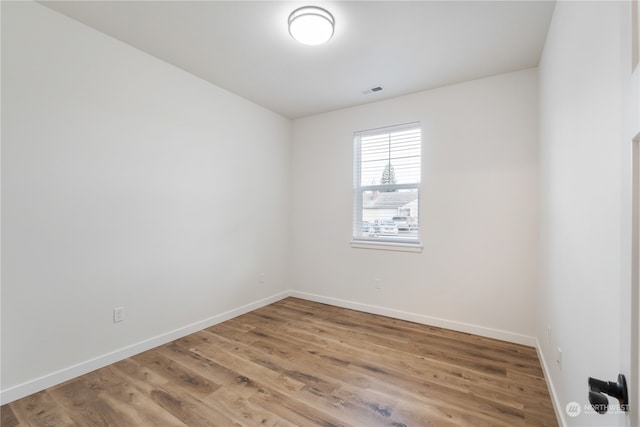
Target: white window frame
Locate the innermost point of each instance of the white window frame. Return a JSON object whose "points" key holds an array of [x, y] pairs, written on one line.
{"points": [[380, 242]]}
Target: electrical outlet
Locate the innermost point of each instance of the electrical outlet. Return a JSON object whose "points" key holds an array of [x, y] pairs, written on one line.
{"points": [[378, 285], [118, 314], [261, 278], [559, 358], [549, 333]]}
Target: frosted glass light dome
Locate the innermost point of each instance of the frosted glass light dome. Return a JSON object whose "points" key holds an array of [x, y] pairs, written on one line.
{"points": [[311, 25]]}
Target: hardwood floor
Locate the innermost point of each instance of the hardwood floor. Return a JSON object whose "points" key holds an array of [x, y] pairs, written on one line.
{"points": [[300, 363]]}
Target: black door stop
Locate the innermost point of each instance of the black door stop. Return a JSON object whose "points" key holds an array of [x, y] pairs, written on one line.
{"points": [[598, 388]]}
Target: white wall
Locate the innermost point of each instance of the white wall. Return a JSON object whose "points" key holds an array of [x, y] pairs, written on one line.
{"points": [[584, 167], [125, 182], [631, 296], [479, 206]]}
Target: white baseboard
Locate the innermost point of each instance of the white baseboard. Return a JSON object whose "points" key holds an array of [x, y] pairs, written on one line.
{"points": [[557, 407], [422, 319], [25, 389], [68, 373]]}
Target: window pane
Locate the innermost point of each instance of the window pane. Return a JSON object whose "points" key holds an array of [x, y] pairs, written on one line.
{"points": [[390, 157], [388, 216]]}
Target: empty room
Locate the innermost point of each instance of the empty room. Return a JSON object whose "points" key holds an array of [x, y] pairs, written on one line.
{"points": [[336, 213]]}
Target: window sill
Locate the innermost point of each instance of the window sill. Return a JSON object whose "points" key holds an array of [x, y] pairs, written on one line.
{"points": [[387, 246]]}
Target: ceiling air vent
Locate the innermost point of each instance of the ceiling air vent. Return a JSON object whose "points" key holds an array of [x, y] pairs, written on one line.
{"points": [[372, 90]]}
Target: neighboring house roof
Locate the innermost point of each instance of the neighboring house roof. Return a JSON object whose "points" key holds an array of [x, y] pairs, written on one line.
{"points": [[390, 200]]}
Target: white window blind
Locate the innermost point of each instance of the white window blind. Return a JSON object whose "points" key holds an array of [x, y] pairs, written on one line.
{"points": [[387, 169]]}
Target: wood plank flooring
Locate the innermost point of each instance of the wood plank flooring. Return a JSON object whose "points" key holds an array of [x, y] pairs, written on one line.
{"points": [[300, 363]]}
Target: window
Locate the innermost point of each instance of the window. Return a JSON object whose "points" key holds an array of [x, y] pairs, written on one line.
{"points": [[387, 184]]}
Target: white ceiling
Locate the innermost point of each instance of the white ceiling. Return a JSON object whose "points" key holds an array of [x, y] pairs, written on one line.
{"points": [[403, 46]]}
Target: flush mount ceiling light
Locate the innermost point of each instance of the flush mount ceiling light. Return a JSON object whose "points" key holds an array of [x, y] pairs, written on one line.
{"points": [[311, 25]]}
